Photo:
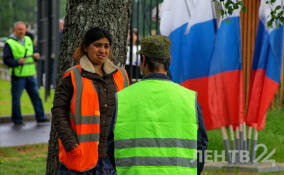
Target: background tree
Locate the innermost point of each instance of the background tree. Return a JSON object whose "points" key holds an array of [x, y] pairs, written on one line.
{"points": [[23, 10], [15, 10], [81, 15]]}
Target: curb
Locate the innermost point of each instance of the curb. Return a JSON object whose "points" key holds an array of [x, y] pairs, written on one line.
{"points": [[26, 117]]}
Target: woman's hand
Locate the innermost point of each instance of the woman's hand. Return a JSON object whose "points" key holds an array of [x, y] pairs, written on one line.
{"points": [[75, 146]]}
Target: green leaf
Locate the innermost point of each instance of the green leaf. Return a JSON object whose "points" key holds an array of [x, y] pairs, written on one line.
{"points": [[273, 1], [269, 23], [222, 12], [280, 14], [282, 20], [278, 7], [227, 4], [236, 6], [230, 11], [227, 20], [272, 13], [244, 9]]}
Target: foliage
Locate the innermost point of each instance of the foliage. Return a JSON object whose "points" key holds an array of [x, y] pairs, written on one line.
{"points": [[15, 10], [21, 10], [276, 15], [62, 7], [230, 6], [26, 105]]}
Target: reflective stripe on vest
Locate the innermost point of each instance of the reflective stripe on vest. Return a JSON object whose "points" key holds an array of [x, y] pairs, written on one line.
{"points": [[20, 51], [125, 77], [156, 142], [156, 161], [121, 72], [156, 133], [85, 119]]}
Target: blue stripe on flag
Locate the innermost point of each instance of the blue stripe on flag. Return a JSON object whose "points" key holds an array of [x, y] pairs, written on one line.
{"points": [[227, 52], [268, 52], [191, 53]]}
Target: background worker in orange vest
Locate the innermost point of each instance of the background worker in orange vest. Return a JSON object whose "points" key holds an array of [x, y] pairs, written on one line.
{"points": [[83, 106]]}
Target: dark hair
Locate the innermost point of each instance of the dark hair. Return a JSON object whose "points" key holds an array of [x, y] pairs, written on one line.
{"points": [[90, 36], [156, 63]]}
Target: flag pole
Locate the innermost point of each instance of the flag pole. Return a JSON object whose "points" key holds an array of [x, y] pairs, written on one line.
{"points": [[245, 136], [233, 141], [226, 143], [241, 137], [254, 145], [241, 142], [237, 143], [232, 138], [249, 138]]}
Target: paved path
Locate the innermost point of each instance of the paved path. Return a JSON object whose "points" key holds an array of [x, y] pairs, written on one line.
{"points": [[30, 133]]}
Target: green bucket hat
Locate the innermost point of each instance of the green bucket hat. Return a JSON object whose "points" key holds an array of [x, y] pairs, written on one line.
{"points": [[155, 46]]}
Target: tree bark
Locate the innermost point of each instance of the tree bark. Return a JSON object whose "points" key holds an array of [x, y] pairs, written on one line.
{"points": [[81, 15]]}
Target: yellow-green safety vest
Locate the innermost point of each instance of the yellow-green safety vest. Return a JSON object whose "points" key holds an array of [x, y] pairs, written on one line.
{"points": [[22, 51], [155, 129]]}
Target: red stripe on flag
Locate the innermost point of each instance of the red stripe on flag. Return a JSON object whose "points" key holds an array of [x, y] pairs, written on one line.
{"points": [[221, 98], [262, 91]]}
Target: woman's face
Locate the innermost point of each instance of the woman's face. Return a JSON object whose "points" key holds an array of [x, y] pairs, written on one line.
{"points": [[98, 51]]}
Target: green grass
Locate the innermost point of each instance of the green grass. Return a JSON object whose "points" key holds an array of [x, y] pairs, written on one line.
{"points": [[272, 136], [26, 105], [23, 160]]}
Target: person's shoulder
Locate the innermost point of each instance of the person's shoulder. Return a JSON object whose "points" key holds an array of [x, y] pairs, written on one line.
{"points": [[27, 37], [31, 35], [7, 47]]}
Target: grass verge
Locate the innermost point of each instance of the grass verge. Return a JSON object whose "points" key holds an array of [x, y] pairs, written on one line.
{"points": [[26, 105], [272, 136], [23, 160]]}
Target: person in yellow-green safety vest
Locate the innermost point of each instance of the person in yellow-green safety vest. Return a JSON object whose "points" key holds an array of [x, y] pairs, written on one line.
{"points": [[20, 57], [157, 125]]}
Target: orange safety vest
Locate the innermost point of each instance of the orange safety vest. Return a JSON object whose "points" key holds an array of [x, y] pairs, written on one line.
{"points": [[85, 120]]}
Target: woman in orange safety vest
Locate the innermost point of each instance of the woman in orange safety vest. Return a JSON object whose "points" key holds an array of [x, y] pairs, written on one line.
{"points": [[83, 107]]}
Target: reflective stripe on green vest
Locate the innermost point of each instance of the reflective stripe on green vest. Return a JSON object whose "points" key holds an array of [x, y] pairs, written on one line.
{"points": [[20, 51], [156, 129]]}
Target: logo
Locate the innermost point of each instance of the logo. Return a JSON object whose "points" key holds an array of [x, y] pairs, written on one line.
{"points": [[239, 156]]}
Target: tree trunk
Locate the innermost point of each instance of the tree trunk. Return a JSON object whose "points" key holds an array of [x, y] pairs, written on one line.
{"points": [[81, 15]]}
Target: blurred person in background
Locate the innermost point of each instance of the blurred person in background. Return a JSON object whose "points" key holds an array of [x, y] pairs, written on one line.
{"points": [[20, 56]]}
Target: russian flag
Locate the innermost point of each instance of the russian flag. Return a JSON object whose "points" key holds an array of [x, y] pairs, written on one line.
{"points": [[225, 79], [266, 68], [191, 26]]}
